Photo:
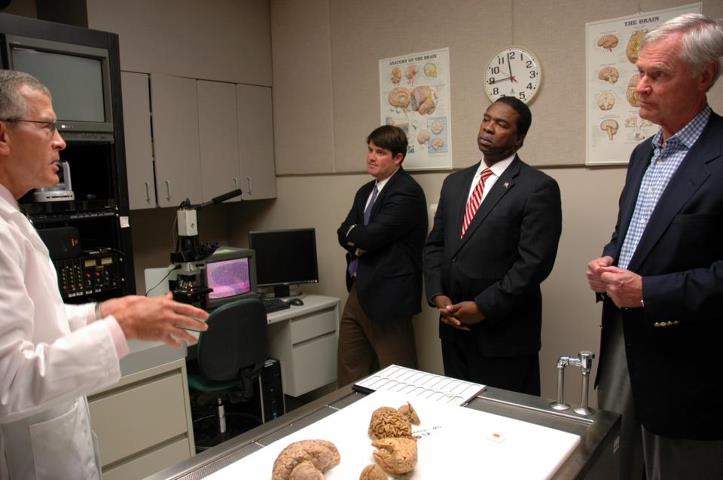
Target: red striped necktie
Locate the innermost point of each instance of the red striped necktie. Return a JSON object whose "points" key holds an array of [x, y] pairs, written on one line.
{"points": [[474, 200]]}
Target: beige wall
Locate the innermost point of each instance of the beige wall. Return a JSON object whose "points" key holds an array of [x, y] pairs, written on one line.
{"points": [[225, 40], [325, 55]]}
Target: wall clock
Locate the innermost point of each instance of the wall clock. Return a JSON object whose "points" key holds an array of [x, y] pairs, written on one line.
{"points": [[514, 72]]}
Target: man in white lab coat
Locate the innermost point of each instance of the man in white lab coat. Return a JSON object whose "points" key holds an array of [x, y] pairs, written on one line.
{"points": [[52, 354]]}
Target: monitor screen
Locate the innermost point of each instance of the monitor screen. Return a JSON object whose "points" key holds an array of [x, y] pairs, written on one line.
{"points": [[77, 92], [285, 257], [228, 278], [78, 77]]}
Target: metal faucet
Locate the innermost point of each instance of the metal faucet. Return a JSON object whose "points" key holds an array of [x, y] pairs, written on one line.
{"points": [[583, 361]]}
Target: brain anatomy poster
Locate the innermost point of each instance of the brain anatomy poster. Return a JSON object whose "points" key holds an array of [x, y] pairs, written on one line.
{"points": [[415, 96], [611, 50]]}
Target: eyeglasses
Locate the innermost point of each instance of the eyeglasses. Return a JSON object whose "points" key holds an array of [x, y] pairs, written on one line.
{"points": [[50, 126]]}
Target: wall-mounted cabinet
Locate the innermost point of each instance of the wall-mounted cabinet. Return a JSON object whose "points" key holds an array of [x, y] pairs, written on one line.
{"points": [[139, 149], [217, 121], [256, 142], [206, 138], [237, 140], [174, 103]]}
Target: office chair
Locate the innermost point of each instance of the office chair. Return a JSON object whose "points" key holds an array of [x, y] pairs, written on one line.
{"points": [[230, 354]]}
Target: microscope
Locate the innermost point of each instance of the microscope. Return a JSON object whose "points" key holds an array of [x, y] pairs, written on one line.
{"points": [[188, 287]]}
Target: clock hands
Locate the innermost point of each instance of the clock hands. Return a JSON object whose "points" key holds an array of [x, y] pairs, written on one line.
{"points": [[509, 67]]}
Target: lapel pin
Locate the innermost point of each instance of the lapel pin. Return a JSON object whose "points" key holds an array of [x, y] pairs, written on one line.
{"points": [[507, 184]]}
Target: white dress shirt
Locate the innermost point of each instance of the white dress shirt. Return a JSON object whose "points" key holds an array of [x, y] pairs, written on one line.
{"points": [[497, 170]]}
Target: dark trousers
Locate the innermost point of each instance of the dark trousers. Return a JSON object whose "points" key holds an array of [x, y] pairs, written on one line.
{"points": [[366, 346], [463, 360]]}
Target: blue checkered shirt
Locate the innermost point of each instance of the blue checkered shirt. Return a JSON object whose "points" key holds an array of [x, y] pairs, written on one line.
{"points": [[667, 157]]}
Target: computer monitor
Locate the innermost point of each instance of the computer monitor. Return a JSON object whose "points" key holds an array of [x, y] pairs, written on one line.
{"points": [[285, 257], [230, 273]]}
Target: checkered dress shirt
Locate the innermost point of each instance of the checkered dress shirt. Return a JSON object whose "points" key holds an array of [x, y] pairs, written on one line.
{"points": [[667, 157]]}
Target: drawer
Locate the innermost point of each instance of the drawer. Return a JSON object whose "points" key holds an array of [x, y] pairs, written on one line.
{"points": [[138, 416], [151, 462], [313, 325], [314, 364]]}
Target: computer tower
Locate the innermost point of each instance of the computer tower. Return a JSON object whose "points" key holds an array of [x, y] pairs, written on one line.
{"points": [[271, 391]]}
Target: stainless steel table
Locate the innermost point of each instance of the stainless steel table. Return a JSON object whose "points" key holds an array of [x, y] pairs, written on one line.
{"points": [[596, 456]]}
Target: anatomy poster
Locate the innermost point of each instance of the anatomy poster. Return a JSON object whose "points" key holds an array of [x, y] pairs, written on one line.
{"points": [[612, 47], [415, 96]]}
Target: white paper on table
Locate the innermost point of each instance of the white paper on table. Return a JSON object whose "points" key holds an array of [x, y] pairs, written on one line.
{"points": [[454, 442], [415, 384]]}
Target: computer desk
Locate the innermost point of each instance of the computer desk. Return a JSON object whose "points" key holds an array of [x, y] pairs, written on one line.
{"points": [[303, 339]]}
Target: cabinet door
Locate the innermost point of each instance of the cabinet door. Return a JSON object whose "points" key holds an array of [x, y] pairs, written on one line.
{"points": [[256, 142], [175, 139], [218, 138], [139, 149]]}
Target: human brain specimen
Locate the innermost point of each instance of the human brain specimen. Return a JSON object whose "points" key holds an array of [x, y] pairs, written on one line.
{"points": [[373, 472], [408, 411], [608, 74], [396, 456], [306, 460], [608, 42], [388, 422]]}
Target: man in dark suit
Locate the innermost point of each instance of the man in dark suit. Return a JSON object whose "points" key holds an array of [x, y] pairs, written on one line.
{"points": [[383, 235], [661, 275], [493, 242]]}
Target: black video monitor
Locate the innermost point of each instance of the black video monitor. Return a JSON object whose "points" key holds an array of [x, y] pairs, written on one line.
{"points": [[285, 257]]}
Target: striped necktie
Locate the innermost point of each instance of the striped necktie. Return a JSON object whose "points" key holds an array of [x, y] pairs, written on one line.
{"points": [[474, 200]]}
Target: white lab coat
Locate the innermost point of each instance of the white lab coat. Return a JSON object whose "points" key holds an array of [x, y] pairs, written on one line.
{"points": [[50, 356]]}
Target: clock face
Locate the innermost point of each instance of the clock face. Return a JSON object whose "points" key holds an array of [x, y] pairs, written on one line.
{"points": [[513, 72]]}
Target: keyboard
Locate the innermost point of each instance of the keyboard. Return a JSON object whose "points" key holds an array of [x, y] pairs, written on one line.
{"points": [[273, 304]]}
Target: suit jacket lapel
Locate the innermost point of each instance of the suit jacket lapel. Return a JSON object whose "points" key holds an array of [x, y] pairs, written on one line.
{"points": [[691, 174], [503, 185]]}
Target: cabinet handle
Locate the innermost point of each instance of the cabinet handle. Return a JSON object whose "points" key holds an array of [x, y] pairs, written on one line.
{"points": [[235, 182], [148, 193], [248, 182], [168, 190]]}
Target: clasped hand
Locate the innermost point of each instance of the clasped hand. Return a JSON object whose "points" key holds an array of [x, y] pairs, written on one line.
{"points": [[625, 288], [459, 315]]}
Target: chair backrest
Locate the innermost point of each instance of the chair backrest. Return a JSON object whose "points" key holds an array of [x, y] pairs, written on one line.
{"points": [[236, 339]]}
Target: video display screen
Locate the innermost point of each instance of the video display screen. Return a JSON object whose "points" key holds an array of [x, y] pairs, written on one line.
{"points": [[228, 278]]}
